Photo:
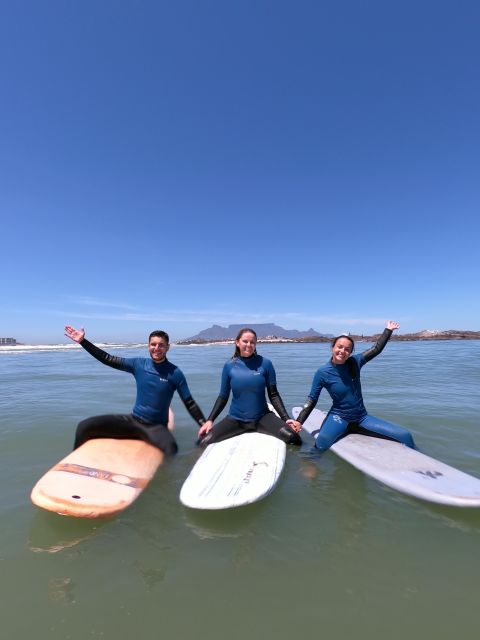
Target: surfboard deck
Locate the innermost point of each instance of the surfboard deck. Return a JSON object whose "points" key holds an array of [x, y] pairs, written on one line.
{"points": [[401, 468], [99, 479], [234, 472]]}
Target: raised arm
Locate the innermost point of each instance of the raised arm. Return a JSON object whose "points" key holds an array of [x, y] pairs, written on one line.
{"points": [[392, 325], [78, 335], [379, 346]]}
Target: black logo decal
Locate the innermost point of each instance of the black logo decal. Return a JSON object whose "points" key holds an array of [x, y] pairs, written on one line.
{"points": [[430, 474], [249, 473]]}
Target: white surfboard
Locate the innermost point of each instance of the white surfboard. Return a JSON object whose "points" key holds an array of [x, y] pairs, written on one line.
{"points": [[234, 472], [402, 468]]}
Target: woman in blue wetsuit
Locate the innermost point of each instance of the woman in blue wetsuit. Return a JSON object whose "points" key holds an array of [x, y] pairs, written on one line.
{"points": [[157, 380], [248, 375], [341, 378]]}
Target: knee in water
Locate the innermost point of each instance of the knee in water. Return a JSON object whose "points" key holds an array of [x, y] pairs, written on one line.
{"points": [[320, 446], [289, 436]]}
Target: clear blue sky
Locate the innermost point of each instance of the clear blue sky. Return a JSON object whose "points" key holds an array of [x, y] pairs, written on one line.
{"points": [[178, 164]]}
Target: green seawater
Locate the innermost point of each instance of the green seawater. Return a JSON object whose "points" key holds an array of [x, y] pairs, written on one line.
{"points": [[330, 553]]}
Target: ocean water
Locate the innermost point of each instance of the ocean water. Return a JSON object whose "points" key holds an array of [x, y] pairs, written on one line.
{"points": [[330, 552]]}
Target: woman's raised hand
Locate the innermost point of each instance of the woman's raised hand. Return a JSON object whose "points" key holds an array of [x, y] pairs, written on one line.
{"points": [[392, 325]]}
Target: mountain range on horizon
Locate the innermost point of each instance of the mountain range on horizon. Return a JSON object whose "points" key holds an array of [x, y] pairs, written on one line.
{"points": [[264, 330], [217, 333]]}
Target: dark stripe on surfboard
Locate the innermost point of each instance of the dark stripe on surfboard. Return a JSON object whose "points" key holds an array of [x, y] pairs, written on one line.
{"points": [[101, 474]]}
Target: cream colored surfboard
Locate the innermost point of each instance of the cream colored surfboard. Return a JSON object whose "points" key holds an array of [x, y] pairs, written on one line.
{"points": [[99, 479]]}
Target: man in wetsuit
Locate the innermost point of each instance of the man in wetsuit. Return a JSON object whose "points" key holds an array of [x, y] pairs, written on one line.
{"points": [[157, 379]]}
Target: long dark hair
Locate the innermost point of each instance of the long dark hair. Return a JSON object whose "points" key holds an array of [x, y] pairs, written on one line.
{"points": [[239, 335], [350, 361], [343, 335]]}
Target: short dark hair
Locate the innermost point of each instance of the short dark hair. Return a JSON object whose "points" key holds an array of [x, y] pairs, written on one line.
{"points": [[159, 334], [343, 335]]}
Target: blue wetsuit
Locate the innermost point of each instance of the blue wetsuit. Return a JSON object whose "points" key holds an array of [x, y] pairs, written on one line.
{"points": [[248, 379], [348, 411], [156, 384]]}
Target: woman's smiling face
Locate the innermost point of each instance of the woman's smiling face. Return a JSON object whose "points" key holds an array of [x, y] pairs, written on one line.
{"points": [[247, 343], [341, 350]]}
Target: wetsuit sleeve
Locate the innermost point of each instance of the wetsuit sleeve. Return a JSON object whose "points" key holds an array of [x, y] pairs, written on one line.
{"points": [[277, 402], [225, 382], [270, 375], [224, 394], [103, 356], [187, 399], [217, 408], [377, 348], [317, 385], [306, 410], [194, 410]]}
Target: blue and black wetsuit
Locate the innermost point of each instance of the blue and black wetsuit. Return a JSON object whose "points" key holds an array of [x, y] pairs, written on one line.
{"points": [[156, 384], [247, 379], [348, 412]]}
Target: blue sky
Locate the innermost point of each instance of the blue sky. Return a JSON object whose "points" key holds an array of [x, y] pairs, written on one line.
{"points": [[178, 164]]}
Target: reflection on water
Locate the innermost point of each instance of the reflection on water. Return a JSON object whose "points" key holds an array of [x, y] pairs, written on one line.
{"points": [[60, 590], [151, 577], [53, 533], [227, 523], [464, 520]]}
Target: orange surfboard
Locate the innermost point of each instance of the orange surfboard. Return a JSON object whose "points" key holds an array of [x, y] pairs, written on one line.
{"points": [[99, 479]]}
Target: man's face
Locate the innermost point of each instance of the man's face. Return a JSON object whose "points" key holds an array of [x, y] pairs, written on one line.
{"points": [[158, 348]]}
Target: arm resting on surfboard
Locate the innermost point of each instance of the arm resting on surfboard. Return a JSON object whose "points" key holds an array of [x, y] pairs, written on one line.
{"points": [[277, 402]]}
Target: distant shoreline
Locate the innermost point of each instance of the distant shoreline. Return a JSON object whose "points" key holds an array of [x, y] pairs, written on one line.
{"points": [[428, 336], [423, 336]]}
